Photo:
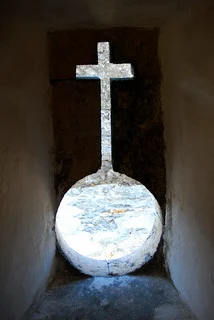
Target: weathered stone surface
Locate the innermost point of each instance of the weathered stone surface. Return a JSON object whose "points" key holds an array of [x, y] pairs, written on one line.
{"points": [[104, 176], [108, 228]]}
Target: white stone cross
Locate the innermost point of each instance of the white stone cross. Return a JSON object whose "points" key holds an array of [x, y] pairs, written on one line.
{"points": [[105, 71]]}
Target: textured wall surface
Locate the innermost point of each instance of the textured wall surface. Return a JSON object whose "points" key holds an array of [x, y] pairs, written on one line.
{"points": [[27, 242], [187, 50]]}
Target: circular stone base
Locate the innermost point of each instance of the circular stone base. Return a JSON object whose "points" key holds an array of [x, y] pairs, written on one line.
{"points": [[108, 229]]}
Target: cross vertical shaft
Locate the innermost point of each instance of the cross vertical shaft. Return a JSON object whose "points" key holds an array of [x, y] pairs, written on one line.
{"points": [[105, 71], [106, 123]]}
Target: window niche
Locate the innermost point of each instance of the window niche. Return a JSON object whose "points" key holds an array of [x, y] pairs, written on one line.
{"points": [[127, 99]]}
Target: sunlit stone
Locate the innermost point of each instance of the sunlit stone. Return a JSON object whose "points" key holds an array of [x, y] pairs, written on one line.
{"points": [[108, 223]]}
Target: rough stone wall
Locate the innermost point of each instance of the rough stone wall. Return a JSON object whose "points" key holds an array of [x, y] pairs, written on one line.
{"points": [[187, 50], [27, 242], [138, 146]]}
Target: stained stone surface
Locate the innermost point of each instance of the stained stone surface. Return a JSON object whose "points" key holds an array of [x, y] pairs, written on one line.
{"points": [[112, 298], [108, 223], [106, 176]]}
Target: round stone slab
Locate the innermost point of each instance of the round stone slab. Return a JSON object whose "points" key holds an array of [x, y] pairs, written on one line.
{"points": [[108, 229]]}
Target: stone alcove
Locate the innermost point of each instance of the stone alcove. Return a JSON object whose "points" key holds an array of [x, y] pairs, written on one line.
{"points": [[137, 129]]}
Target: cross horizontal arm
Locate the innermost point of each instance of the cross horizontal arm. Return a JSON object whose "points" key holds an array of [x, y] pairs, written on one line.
{"points": [[120, 71], [111, 71], [89, 71]]}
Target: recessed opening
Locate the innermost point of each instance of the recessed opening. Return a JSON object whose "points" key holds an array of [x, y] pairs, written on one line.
{"points": [[108, 223]]}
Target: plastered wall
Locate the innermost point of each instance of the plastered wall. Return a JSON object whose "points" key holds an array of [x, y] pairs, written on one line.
{"points": [[187, 51], [27, 242]]}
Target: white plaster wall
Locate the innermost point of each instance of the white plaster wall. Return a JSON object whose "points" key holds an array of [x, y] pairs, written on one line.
{"points": [[27, 242], [187, 56]]}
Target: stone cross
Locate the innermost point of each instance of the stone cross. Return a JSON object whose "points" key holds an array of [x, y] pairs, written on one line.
{"points": [[105, 71]]}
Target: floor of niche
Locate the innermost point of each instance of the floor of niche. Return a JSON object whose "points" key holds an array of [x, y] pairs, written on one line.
{"points": [[129, 297]]}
